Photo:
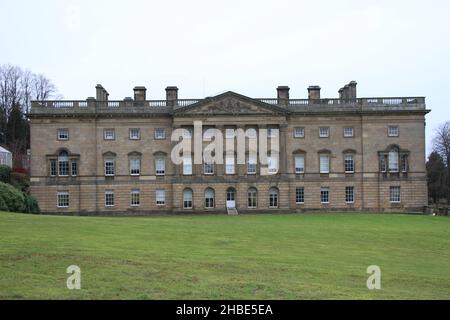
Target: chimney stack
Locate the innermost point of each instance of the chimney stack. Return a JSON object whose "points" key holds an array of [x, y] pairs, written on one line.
{"points": [[283, 95], [348, 92], [352, 89], [314, 93], [172, 96], [140, 93], [101, 93]]}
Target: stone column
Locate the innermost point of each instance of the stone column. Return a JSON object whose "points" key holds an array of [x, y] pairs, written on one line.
{"points": [[283, 155], [219, 169]]}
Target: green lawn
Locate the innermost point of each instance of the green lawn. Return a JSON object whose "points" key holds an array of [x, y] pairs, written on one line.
{"points": [[298, 256]]}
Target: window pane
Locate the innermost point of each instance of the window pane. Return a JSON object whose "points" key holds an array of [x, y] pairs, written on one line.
{"points": [[300, 195], [324, 164], [299, 164]]}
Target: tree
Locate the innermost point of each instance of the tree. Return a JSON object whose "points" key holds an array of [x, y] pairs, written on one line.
{"points": [[436, 176], [441, 145]]}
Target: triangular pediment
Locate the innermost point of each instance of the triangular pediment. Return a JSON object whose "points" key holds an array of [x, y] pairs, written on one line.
{"points": [[230, 103]]}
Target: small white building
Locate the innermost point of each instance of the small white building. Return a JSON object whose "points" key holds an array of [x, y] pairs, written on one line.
{"points": [[5, 157]]}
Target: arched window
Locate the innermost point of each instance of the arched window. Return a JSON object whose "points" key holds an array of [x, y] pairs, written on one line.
{"points": [[63, 163], [273, 198], [187, 199], [209, 198], [393, 160], [252, 196]]}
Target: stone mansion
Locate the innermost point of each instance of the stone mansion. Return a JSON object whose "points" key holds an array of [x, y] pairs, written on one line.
{"points": [[98, 156]]}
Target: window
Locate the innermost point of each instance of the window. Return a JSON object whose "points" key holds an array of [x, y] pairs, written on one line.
{"points": [[208, 168], [349, 163], [63, 199], [135, 166], [404, 163], [229, 164], [109, 134], [109, 168], [160, 165], [272, 132], [229, 133], [187, 199], [252, 196], [300, 195], [299, 164], [135, 134], [251, 165], [273, 198], [63, 163], [187, 133], [299, 132], [187, 166], [383, 163], [63, 134], [109, 198], [53, 171], [324, 163], [160, 197], [392, 131], [393, 160], [272, 163], [349, 194], [394, 194], [209, 198], [324, 132], [135, 198], [74, 168], [348, 132], [160, 133], [324, 195]]}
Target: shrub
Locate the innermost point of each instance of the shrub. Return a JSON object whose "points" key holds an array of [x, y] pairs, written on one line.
{"points": [[3, 206], [20, 181], [5, 173], [31, 204], [13, 198]]}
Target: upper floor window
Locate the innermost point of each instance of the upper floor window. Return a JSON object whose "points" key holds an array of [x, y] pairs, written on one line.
{"points": [[393, 160], [393, 131], [272, 164], [404, 163], [324, 132], [109, 167], [272, 132], [251, 164], [109, 134], [74, 168], [324, 163], [229, 164], [63, 163], [349, 163], [160, 166], [63, 134], [208, 167], [299, 132], [53, 168], [187, 166], [229, 133], [187, 133], [160, 133], [135, 166], [348, 132], [135, 134], [299, 164]]}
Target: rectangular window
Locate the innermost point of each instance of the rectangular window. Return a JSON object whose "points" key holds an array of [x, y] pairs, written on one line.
{"points": [[383, 163], [324, 132], [349, 164], [187, 133], [135, 167], [299, 132], [74, 169], [252, 198], [160, 133], [349, 194], [109, 134], [109, 168], [404, 163], [348, 132], [393, 161], [63, 199], [63, 167], [251, 165], [324, 163], [160, 197], [324, 195], [160, 165], [272, 132], [394, 194], [393, 131], [300, 195], [299, 164], [229, 165], [208, 168], [229, 133], [109, 198], [187, 166], [63, 134], [53, 171], [135, 198], [272, 164], [135, 134]]}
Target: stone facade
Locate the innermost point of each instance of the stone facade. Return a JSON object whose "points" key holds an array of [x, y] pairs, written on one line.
{"points": [[71, 141]]}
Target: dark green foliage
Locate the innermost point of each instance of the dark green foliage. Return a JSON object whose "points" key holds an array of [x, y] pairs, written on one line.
{"points": [[3, 206], [436, 175], [31, 204], [5, 173], [13, 198], [20, 181]]}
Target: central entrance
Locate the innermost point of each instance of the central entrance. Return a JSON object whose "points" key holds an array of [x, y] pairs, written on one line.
{"points": [[231, 198]]}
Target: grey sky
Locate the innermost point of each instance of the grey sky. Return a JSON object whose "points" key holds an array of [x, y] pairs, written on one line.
{"points": [[391, 48]]}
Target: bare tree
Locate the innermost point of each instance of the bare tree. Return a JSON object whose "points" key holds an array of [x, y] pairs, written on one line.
{"points": [[441, 144], [44, 89]]}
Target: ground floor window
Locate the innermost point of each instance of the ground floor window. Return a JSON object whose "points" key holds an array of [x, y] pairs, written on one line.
{"points": [[349, 194], [160, 197], [252, 195], [209, 198], [187, 199], [135, 198], [63, 199], [394, 194], [273, 198], [300, 195], [324, 195], [109, 198]]}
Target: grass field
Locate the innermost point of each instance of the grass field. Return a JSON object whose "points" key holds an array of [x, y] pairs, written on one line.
{"points": [[309, 256]]}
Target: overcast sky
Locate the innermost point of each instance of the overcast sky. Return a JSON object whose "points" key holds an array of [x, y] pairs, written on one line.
{"points": [[391, 48]]}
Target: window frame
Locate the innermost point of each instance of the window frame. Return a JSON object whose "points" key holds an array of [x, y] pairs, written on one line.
{"points": [[209, 201], [321, 155], [60, 194], [391, 194], [346, 134], [346, 162], [133, 197], [397, 131], [159, 172], [105, 136], [252, 198], [324, 191], [327, 132], [160, 137], [138, 130], [160, 197], [299, 156], [191, 201], [109, 193], [300, 196], [301, 135], [138, 160], [113, 167], [349, 195], [58, 134], [274, 195]]}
